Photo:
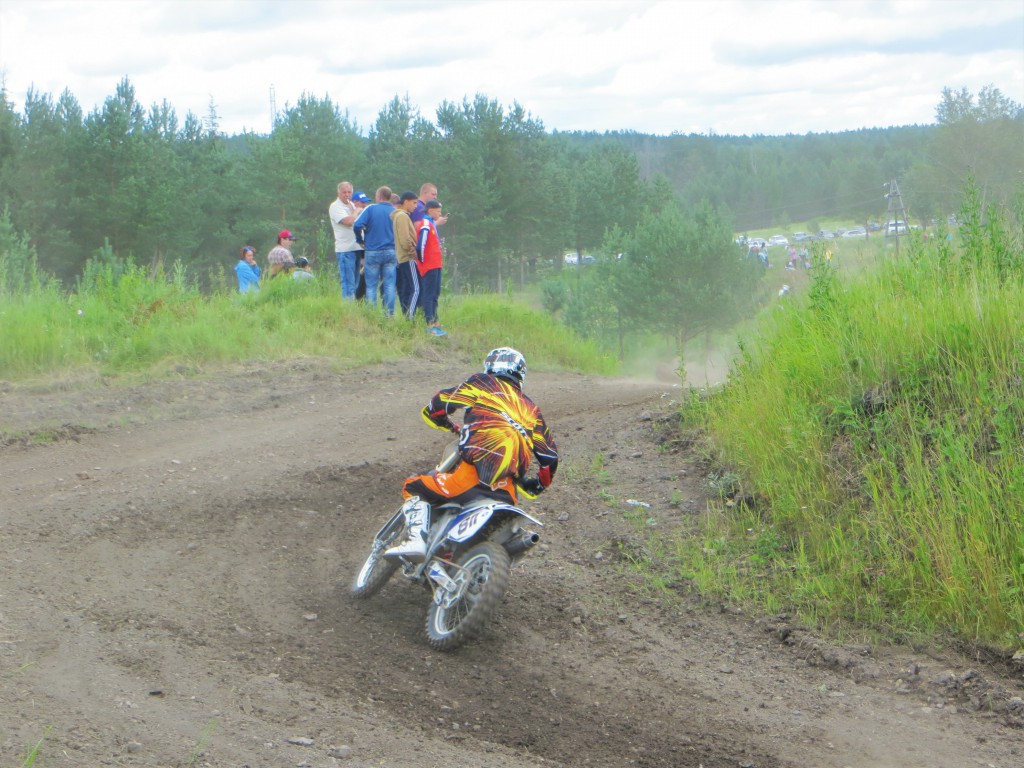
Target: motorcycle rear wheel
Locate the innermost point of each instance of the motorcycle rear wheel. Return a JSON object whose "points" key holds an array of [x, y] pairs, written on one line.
{"points": [[483, 575], [374, 574]]}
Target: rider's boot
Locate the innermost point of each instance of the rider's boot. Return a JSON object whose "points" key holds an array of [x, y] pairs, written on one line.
{"points": [[413, 546]]}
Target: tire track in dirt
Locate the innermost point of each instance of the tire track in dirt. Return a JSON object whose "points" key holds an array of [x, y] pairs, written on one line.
{"points": [[175, 580]]}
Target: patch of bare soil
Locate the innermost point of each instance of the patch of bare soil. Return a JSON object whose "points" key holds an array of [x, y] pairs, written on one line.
{"points": [[176, 563]]}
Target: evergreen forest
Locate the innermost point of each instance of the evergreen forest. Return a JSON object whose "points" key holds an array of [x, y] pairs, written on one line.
{"points": [[137, 183]]}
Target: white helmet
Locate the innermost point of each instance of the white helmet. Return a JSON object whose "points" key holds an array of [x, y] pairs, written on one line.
{"points": [[505, 361]]}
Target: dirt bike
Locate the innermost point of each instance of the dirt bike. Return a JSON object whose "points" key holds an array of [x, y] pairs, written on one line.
{"points": [[470, 549]]}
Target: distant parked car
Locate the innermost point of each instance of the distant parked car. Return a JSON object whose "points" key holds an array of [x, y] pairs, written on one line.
{"points": [[800, 237], [759, 242], [826, 234], [574, 258], [856, 232], [896, 227], [874, 226], [778, 240]]}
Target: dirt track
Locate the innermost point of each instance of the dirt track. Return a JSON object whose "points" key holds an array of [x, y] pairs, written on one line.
{"points": [[174, 593]]}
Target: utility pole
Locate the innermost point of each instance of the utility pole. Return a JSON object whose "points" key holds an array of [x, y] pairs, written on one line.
{"points": [[896, 216]]}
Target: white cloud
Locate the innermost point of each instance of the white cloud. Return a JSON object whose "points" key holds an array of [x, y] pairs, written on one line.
{"points": [[732, 66]]}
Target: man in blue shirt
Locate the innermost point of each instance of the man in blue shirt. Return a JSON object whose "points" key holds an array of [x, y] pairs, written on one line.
{"points": [[375, 232]]}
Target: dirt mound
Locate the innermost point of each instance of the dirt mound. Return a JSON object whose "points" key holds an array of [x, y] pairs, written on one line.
{"points": [[174, 593]]}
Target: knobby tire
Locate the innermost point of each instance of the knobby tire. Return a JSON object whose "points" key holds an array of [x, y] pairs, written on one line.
{"points": [[375, 571], [487, 567]]}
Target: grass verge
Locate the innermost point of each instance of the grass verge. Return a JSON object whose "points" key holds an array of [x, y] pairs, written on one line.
{"points": [[133, 324], [872, 434]]}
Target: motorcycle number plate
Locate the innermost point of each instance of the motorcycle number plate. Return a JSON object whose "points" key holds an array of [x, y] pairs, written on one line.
{"points": [[470, 524]]}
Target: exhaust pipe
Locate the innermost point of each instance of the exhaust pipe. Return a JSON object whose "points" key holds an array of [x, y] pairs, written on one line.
{"points": [[521, 542]]}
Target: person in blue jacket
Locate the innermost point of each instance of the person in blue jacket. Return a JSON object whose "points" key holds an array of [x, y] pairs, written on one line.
{"points": [[248, 271], [376, 233]]}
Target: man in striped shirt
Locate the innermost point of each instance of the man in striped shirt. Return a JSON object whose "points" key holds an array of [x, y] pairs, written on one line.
{"points": [[280, 258]]}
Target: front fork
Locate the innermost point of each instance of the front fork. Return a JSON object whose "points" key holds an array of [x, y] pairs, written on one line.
{"points": [[446, 589]]}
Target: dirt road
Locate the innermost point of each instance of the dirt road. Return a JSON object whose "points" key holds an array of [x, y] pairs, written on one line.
{"points": [[176, 561]]}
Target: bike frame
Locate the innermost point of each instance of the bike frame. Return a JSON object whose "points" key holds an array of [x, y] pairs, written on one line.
{"points": [[456, 525]]}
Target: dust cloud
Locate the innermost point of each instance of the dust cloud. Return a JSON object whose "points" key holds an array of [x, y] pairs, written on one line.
{"points": [[705, 366]]}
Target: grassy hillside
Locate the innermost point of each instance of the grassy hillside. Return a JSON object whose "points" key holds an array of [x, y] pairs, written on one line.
{"points": [[125, 321], [873, 435]]}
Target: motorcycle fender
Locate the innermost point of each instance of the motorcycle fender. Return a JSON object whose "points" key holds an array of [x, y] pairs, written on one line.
{"points": [[467, 523], [520, 512]]}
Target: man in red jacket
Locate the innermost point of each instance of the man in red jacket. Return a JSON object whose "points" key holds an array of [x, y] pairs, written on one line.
{"points": [[429, 255]]}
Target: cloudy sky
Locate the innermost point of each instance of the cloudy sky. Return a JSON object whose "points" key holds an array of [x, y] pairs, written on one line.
{"points": [[659, 66]]}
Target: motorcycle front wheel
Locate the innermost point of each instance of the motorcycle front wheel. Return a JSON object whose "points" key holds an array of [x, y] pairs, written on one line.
{"points": [[375, 571], [481, 574]]}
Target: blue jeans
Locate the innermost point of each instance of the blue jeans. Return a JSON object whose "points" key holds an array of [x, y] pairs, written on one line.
{"points": [[347, 274], [380, 267]]}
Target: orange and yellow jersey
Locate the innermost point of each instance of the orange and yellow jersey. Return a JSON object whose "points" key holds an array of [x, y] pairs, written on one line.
{"points": [[502, 428]]}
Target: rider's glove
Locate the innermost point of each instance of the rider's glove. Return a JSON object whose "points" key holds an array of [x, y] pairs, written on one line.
{"points": [[532, 485]]}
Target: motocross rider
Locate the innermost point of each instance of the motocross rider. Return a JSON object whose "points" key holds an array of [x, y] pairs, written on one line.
{"points": [[502, 429]]}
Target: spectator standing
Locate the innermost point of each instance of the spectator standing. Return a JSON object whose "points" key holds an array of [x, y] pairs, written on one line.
{"points": [[407, 278], [428, 192], [247, 271], [791, 263], [429, 263], [360, 201], [343, 213], [374, 230], [280, 258]]}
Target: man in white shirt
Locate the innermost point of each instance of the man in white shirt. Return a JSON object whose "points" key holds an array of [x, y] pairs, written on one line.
{"points": [[343, 212]]}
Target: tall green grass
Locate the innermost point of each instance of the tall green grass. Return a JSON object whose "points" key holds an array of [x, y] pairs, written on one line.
{"points": [[486, 321], [877, 430], [124, 320]]}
